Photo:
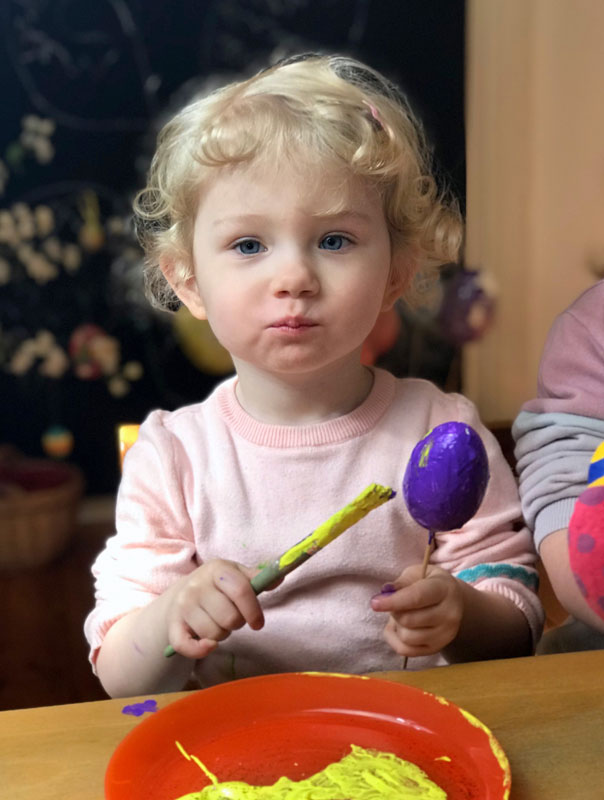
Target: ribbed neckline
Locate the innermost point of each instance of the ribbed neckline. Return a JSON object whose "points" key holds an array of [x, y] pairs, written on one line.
{"points": [[356, 423]]}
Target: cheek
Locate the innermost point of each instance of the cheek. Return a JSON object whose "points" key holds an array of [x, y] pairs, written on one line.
{"points": [[227, 310], [365, 300]]}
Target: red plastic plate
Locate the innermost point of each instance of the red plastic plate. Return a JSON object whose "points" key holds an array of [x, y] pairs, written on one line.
{"points": [[294, 724]]}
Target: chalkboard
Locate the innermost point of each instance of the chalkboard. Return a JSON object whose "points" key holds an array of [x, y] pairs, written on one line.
{"points": [[85, 86]]}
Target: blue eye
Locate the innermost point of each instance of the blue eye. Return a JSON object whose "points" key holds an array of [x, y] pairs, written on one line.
{"points": [[334, 241], [248, 247]]}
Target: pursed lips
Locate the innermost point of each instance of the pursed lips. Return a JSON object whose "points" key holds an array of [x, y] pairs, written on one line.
{"points": [[293, 323]]}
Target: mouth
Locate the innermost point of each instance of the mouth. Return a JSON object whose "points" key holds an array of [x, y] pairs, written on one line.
{"points": [[293, 323]]}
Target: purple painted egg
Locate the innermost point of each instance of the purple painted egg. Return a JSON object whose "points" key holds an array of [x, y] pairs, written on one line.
{"points": [[586, 546], [446, 477]]}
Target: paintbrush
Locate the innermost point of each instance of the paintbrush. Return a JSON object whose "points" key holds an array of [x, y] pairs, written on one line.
{"points": [[371, 497]]}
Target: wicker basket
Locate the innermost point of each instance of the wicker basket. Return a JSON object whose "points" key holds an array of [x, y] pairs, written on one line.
{"points": [[36, 523]]}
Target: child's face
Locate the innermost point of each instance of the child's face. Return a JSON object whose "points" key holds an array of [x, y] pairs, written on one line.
{"points": [[288, 287]]}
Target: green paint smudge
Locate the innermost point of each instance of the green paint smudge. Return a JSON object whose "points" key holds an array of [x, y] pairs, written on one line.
{"points": [[423, 459]]}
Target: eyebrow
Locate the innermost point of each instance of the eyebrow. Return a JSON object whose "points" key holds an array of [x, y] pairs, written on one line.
{"points": [[237, 219], [327, 215], [343, 212]]}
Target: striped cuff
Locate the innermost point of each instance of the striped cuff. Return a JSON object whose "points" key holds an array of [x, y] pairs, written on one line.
{"points": [[553, 517], [528, 577]]}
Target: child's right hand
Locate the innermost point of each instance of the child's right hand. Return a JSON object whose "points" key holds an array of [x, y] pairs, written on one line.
{"points": [[208, 604]]}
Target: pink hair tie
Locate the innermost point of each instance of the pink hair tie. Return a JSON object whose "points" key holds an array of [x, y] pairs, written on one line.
{"points": [[374, 114]]}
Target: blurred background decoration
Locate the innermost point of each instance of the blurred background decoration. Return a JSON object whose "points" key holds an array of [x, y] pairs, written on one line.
{"points": [[85, 88]]}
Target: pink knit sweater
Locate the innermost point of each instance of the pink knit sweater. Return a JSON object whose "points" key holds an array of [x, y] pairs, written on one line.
{"points": [[209, 481]]}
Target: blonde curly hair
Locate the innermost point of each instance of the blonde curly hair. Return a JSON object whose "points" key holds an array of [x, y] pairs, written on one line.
{"points": [[333, 109]]}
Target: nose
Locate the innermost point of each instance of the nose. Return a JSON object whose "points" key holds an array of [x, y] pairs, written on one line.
{"points": [[295, 276]]}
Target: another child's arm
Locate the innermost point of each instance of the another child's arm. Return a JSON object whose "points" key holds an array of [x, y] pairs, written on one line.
{"points": [[554, 554], [193, 615], [556, 434]]}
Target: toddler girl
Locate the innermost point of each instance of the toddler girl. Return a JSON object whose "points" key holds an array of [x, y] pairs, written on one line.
{"points": [[290, 210]]}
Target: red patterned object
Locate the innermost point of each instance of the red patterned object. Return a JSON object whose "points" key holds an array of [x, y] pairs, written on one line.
{"points": [[586, 546]]}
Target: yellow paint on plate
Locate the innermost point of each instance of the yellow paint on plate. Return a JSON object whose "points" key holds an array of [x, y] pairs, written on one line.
{"points": [[362, 775], [497, 751], [496, 748], [338, 675]]}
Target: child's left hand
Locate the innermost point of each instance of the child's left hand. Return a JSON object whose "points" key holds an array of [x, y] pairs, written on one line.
{"points": [[425, 613]]}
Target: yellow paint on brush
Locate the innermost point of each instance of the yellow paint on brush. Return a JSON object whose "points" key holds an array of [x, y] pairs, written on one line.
{"points": [[362, 775], [371, 497]]}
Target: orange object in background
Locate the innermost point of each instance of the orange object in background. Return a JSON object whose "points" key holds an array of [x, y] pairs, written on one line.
{"points": [[126, 436], [381, 338]]}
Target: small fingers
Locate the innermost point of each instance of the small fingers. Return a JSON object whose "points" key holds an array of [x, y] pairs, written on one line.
{"points": [[183, 641], [407, 642], [243, 606], [216, 601], [409, 596], [422, 619], [203, 624]]}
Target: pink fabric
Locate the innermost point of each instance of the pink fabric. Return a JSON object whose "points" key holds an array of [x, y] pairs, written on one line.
{"points": [[209, 481], [570, 372]]}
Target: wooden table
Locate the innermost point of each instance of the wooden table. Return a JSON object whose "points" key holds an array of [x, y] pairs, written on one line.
{"points": [[547, 712]]}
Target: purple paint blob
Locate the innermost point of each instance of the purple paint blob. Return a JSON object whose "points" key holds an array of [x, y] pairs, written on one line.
{"points": [[388, 588], [592, 496], [585, 543], [138, 709], [446, 478], [580, 584]]}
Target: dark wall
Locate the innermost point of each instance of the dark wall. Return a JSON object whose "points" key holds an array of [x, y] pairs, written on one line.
{"points": [[84, 86]]}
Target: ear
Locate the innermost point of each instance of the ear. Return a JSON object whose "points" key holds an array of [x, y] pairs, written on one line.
{"points": [[184, 285], [402, 267]]}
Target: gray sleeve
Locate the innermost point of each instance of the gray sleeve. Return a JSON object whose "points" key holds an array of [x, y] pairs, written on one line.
{"points": [[553, 452]]}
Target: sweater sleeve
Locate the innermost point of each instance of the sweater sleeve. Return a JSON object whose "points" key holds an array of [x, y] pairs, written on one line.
{"points": [[494, 551], [571, 375], [154, 543], [557, 432], [553, 453]]}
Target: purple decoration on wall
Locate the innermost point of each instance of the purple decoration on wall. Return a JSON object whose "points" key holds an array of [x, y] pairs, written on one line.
{"points": [[446, 477], [467, 308]]}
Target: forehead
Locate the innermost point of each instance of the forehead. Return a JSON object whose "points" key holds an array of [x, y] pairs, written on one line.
{"points": [[311, 188]]}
